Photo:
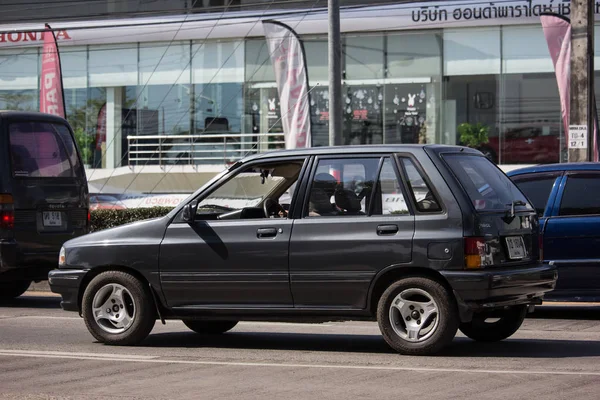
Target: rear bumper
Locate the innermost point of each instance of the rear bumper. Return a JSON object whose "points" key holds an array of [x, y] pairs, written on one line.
{"points": [[17, 265], [494, 288], [66, 282]]}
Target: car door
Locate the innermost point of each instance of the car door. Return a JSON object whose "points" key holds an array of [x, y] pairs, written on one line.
{"points": [[355, 222], [232, 255], [572, 234]]}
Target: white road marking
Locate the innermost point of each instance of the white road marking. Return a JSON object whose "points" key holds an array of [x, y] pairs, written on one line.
{"points": [[158, 360]]}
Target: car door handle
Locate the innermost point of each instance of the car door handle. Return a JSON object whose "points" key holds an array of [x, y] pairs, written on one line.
{"points": [[262, 233], [387, 229]]}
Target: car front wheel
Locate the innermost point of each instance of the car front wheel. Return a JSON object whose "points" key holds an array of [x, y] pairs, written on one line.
{"points": [[210, 327], [118, 309], [417, 316], [495, 325]]}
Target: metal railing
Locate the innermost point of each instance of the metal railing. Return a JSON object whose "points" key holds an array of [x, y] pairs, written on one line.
{"points": [[210, 148]]}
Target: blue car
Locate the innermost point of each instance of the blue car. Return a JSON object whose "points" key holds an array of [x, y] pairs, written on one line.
{"points": [[567, 200]]}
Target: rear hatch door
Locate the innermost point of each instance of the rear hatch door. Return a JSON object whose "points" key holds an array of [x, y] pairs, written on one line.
{"points": [[505, 223], [48, 185]]}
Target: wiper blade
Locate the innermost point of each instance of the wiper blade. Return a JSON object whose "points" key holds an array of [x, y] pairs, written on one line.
{"points": [[514, 204]]}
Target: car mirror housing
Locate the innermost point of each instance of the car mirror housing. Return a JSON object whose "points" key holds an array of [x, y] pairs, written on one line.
{"points": [[188, 213]]}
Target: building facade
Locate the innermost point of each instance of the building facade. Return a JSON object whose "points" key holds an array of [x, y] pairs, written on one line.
{"points": [[162, 103]]}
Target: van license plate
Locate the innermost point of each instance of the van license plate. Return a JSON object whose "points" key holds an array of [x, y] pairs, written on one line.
{"points": [[516, 247], [52, 218]]}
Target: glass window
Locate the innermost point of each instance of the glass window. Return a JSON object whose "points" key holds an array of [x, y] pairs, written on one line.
{"points": [[423, 196], [164, 83], [258, 62], [392, 199], [364, 57], [581, 195], [531, 119], [486, 185], [40, 150], [472, 51], [113, 65], [524, 49], [249, 192], [19, 69], [537, 189], [73, 62], [414, 54], [342, 187], [316, 49]]}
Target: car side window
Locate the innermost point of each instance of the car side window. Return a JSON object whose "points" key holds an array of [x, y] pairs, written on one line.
{"points": [[342, 186], [258, 191], [423, 195], [581, 195], [537, 188], [391, 199]]}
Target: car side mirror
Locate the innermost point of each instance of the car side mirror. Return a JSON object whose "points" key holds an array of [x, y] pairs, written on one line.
{"points": [[188, 213]]}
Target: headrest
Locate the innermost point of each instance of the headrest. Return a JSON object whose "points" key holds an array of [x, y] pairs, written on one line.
{"points": [[347, 200]]}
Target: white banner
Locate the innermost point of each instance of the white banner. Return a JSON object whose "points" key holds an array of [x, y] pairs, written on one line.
{"points": [[289, 63]]}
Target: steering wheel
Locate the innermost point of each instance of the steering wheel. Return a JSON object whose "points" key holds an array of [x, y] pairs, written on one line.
{"points": [[269, 204]]}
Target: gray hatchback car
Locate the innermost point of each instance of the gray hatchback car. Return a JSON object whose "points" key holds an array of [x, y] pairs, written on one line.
{"points": [[425, 239]]}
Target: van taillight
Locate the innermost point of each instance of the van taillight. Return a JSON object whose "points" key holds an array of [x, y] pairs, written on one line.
{"points": [[7, 212], [474, 252]]}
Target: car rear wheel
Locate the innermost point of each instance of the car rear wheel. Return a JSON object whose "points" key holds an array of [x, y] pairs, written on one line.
{"points": [[494, 326], [210, 327], [118, 309], [417, 316], [10, 290]]}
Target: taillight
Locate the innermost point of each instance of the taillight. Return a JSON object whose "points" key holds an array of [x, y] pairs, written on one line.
{"points": [[474, 252], [7, 212]]}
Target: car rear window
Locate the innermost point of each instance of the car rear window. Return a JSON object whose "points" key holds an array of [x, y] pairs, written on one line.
{"points": [[43, 150], [487, 186]]}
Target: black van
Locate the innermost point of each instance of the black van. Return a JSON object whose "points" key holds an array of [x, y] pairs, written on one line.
{"points": [[43, 197]]}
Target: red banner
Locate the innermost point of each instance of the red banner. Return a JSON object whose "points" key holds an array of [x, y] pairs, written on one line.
{"points": [[557, 30], [101, 128], [51, 91]]}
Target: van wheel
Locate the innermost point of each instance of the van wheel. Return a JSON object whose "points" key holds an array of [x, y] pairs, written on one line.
{"points": [[482, 329], [210, 327], [118, 309], [10, 290], [417, 316]]}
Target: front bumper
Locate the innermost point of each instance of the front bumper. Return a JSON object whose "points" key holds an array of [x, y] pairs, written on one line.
{"points": [[66, 282], [499, 287]]}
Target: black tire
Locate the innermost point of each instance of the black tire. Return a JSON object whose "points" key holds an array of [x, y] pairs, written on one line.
{"points": [[143, 311], [10, 290], [210, 327], [441, 332], [508, 323]]}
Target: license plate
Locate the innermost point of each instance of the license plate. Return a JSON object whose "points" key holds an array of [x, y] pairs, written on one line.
{"points": [[52, 218], [516, 247]]}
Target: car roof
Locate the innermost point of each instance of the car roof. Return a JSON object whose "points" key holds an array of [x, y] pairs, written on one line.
{"points": [[582, 166], [361, 149], [25, 115]]}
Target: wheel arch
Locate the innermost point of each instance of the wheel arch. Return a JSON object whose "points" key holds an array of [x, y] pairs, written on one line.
{"points": [[94, 272], [392, 274]]}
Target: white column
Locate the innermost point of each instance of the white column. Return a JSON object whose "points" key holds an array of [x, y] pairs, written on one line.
{"points": [[114, 109]]}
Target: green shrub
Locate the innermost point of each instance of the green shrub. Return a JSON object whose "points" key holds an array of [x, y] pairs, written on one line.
{"points": [[473, 135], [104, 219]]}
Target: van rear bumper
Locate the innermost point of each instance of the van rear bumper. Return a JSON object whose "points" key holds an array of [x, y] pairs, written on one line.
{"points": [[17, 265], [498, 287]]}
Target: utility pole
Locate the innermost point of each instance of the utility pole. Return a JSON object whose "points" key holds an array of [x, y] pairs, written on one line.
{"points": [[581, 120], [335, 74]]}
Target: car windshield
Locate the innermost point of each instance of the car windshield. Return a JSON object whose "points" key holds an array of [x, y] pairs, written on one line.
{"points": [[487, 186]]}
